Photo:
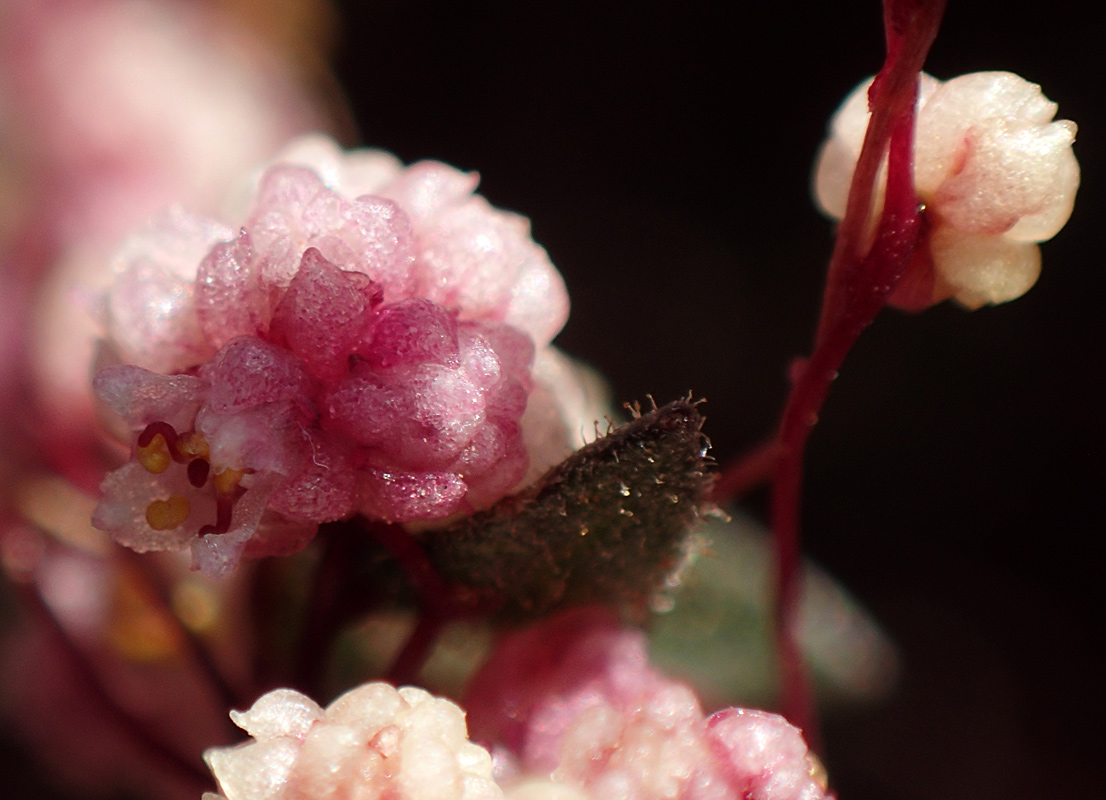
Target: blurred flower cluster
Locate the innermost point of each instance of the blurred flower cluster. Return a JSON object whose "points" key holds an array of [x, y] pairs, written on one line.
{"points": [[287, 444]]}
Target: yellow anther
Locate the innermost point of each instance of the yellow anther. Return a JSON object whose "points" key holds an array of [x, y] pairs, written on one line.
{"points": [[155, 456], [227, 480], [193, 445], [165, 515]]}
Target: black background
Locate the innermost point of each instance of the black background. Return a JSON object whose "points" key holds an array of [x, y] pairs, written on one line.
{"points": [[663, 152]]}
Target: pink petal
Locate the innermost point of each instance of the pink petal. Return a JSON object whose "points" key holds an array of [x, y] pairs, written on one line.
{"points": [[428, 187], [413, 331], [405, 496], [141, 397], [248, 372], [230, 300], [325, 315]]}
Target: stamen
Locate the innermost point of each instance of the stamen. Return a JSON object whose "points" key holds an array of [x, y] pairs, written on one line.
{"points": [[163, 429], [193, 445], [224, 508], [157, 447], [226, 481], [155, 456], [198, 470], [165, 515]]}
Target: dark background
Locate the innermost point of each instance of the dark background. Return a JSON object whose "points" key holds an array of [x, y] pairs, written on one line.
{"points": [[663, 152]]}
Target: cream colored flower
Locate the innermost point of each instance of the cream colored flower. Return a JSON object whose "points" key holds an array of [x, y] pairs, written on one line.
{"points": [[996, 174]]}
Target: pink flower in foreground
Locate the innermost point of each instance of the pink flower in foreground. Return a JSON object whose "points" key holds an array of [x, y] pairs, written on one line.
{"points": [[996, 175], [575, 699], [109, 110], [362, 342], [373, 742]]}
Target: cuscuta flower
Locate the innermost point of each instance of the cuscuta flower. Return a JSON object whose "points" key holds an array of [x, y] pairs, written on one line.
{"points": [[995, 173], [365, 343], [596, 722], [575, 699], [373, 741]]}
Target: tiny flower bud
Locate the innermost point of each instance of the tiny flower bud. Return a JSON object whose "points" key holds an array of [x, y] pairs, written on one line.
{"points": [[994, 172], [373, 741]]}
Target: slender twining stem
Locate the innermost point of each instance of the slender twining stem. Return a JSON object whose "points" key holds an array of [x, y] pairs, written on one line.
{"points": [[406, 550], [439, 603], [749, 471], [416, 650], [864, 270], [137, 731], [327, 610]]}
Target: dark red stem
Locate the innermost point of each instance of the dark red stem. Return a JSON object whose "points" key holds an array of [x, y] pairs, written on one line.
{"points": [[749, 471], [860, 278], [325, 614], [440, 603], [416, 650], [437, 602]]}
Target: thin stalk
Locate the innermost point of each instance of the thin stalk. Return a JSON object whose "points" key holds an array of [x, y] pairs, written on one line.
{"points": [[857, 288], [326, 611], [416, 650], [749, 471], [438, 603]]}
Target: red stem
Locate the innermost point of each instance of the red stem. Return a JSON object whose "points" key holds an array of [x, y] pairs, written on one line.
{"points": [[416, 650], [751, 470], [857, 287], [439, 604]]}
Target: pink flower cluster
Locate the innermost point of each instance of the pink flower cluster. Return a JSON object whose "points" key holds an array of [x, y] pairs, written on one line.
{"points": [[364, 343], [575, 699], [109, 110]]}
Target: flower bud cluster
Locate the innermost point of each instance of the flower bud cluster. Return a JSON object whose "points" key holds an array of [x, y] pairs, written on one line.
{"points": [[627, 733], [576, 700], [364, 343], [372, 742], [995, 173]]}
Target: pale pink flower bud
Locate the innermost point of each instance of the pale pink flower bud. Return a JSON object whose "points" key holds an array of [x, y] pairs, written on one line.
{"points": [[995, 172], [574, 699], [373, 741]]}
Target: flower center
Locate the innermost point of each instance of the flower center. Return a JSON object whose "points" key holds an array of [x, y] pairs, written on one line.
{"points": [[158, 447]]}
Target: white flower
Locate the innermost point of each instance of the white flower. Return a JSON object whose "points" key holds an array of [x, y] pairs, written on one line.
{"points": [[374, 741], [995, 173]]}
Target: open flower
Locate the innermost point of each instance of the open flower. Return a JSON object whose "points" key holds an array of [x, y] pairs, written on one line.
{"points": [[373, 741], [364, 343], [995, 173]]}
